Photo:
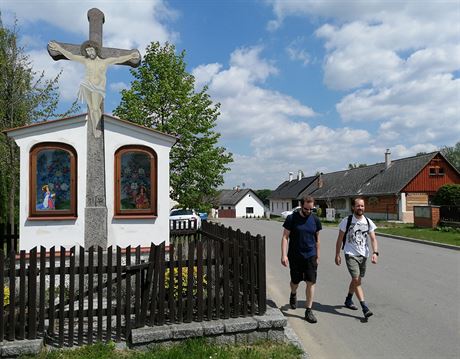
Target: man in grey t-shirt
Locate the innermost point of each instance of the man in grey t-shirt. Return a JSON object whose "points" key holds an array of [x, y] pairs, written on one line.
{"points": [[356, 251]]}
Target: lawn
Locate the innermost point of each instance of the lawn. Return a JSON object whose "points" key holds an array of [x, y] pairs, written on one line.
{"points": [[190, 349], [446, 236]]}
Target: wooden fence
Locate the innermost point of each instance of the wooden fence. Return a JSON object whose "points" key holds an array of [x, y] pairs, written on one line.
{"points": [[9, 237], [78, 296]]}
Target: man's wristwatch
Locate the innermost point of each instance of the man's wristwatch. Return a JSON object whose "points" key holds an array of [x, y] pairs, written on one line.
{"points": [[376, 253]]}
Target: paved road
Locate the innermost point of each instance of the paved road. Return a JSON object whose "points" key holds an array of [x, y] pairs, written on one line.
{"points": [[414, 293]]}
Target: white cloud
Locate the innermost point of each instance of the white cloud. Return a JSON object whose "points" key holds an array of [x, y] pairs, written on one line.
{"points": [[118, 86], [296, 53], [397, 63]]}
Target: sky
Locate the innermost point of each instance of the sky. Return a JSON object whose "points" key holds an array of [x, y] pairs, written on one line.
{"points": [[303, 85]]}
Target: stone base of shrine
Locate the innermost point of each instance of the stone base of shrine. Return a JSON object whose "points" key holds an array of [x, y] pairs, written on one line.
{"points": [[18, 348], [270, 326]]}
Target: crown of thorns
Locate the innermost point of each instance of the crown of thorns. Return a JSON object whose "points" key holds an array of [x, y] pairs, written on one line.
{"points": [[92, 44]]}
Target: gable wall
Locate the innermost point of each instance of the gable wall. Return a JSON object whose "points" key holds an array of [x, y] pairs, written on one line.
{"points": [[250, 201], [424, 182]]}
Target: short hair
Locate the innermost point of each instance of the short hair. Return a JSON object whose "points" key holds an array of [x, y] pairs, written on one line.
{"points": [[92, 44], [308, 199], [353, 201]]}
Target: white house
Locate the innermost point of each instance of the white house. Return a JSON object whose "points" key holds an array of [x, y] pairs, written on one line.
{"points": [[53, 167], [240, 203]]}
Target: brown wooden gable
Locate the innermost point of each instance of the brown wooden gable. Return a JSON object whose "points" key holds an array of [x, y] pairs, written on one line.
{"points": [[435, 174]]}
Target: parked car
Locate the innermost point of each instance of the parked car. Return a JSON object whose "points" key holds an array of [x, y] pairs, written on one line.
{"points": [[203, 216], [185, 214], [287, 213]]}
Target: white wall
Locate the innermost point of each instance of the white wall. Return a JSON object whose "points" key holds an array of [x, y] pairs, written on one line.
{"points": [[57, 233], [250, 201], [280, 205], [70, 233], [134, 232]]}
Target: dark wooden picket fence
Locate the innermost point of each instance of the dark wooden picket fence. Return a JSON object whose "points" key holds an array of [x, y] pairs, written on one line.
{"points": [[77, 296], [9, 237]]}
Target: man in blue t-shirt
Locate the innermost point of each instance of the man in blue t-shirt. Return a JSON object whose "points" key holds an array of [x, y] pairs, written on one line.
{"points": [[301, 232]]}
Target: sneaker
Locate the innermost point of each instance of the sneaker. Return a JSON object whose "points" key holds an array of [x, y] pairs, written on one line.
{"points": [[367, 313], [350, 305], [293, 301], [309, 316]]}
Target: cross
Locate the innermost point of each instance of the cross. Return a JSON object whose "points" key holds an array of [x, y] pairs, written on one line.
{"points": [[92, 89]]}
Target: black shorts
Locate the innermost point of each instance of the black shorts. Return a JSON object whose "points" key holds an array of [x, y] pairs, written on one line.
{"points": [[303, 270]]}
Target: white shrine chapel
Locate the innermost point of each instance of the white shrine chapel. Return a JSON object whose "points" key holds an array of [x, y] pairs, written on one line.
{"points": [[53, 169]]}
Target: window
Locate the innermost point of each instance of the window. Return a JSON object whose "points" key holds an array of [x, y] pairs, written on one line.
{"points": [[135, 182], [437, 171], [432, 171], [52, 182], [249, 210], [441, 171]]}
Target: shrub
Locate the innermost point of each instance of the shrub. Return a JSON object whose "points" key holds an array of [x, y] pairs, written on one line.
{"points": [[449, 195], [6, 296], [184, 281]]}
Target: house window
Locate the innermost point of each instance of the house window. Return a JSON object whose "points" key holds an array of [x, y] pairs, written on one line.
{"points": [[52, 182], [249, 210], [441, 171], [432, 171], [135, 182]]}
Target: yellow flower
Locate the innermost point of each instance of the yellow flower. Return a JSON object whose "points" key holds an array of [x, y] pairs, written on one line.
{"points": [[6, 296]]}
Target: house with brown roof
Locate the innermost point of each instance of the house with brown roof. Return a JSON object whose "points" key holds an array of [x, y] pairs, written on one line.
{"points": [[286, 196], [390, 189], [237, 203]]}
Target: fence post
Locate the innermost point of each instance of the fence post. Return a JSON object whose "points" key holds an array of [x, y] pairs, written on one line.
{"points": [[261, 275], [32, 295]]}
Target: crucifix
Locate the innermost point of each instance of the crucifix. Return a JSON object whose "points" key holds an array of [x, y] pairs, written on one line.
{"points": [[96, 59]]}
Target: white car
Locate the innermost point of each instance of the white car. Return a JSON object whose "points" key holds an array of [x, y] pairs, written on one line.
{"points": [[287, 213], [179, 218]]}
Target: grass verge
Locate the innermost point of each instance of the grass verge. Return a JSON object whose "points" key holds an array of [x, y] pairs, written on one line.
{"points": [[189, 349], [426, 234]]}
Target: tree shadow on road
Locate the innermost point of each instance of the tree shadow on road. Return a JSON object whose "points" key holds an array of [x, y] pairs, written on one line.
{"points": [[324, 308]]}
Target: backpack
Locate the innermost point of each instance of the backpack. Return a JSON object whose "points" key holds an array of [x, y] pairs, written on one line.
{"points": [[350, 218]]}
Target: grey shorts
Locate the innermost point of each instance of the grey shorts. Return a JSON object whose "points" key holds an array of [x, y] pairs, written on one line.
{"points": [[356, 265]]}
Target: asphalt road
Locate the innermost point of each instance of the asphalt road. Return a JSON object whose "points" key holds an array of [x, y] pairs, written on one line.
{"points": [[414, 292]]}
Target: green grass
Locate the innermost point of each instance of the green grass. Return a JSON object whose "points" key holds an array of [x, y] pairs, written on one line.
{"points": [[427, 234], [190, 349]]}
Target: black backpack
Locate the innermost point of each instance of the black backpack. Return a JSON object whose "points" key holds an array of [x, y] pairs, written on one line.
{"points": [[350, 218]]}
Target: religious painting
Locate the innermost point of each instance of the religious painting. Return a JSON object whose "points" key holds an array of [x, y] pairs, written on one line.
{"points": [[53, 186], [136, 180]]}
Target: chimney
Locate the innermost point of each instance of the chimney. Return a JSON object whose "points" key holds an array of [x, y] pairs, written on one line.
{"points": [[299, 175], [387, 158], [320, 180], [290, 176]]}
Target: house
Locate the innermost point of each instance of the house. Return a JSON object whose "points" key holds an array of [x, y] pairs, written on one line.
{"points": [[53, 188], [236, 203], [390, 189], [286, 196]]}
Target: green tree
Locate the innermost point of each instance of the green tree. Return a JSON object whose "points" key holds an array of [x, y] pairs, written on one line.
{"points": [[162, 96], [449, 195], [356, 165], [452, 154], [263, 195], [25, 97]]}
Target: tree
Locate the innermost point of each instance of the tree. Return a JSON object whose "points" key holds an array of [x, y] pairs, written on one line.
{"points": [[452, 154], [448, 195], [162, 96], [356, 165], [263, 195], [25, 97]]}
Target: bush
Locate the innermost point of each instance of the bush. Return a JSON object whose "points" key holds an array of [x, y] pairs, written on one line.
{"points": [[448, 195], [184, 281]]}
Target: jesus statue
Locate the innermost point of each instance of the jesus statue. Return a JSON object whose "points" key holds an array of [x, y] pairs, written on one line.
{"points": [[92, 88]]}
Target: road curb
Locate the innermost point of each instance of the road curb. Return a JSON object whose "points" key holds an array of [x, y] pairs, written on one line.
{"points": [[408, 239]]}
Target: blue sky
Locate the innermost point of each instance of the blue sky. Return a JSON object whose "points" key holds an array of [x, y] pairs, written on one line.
{"points": [[303, 85]]}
